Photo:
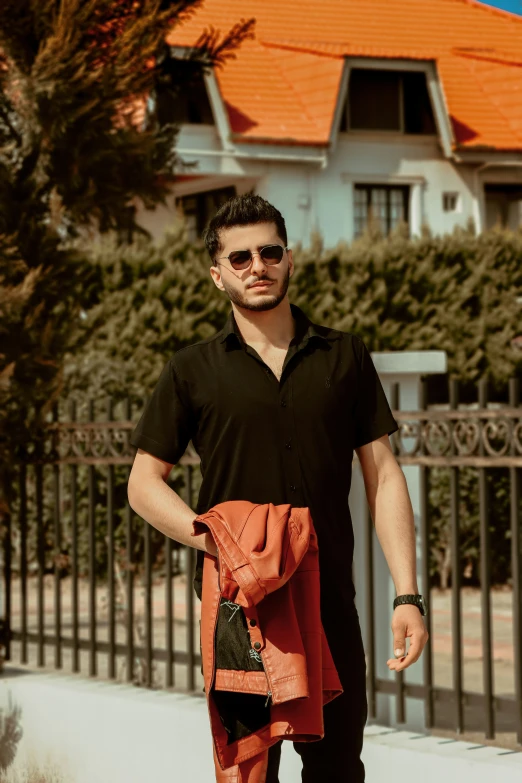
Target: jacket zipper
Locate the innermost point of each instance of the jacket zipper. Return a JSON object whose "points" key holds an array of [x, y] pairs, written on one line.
{"points": [[215, 626], [269, 692]]}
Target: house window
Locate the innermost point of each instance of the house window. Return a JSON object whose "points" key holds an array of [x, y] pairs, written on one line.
{"points": [[180, 94], [199, 208], [383, 206], [187, 107], [503, 206], [451, 202], [385, 100]]}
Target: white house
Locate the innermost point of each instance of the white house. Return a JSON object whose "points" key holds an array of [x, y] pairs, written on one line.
{"points": [[342, 109]]}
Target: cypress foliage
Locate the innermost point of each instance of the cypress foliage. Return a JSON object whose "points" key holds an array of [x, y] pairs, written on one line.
{"points": [[152, 300], [78, 150], [458, 292]]}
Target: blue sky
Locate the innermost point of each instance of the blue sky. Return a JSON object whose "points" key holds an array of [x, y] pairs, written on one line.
{"points": [[515, 6]]}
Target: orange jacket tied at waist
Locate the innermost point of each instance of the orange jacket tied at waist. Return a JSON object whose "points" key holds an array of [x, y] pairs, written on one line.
{"points": [[268, 564]]}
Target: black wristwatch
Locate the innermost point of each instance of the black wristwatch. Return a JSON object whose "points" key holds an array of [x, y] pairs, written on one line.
{"points": [[416, 600]]}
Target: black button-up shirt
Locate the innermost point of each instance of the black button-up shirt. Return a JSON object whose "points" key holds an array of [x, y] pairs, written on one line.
{"points": [[270, 441]]}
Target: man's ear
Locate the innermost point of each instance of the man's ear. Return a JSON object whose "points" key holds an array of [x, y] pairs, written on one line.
{"points": [[216, 277]]}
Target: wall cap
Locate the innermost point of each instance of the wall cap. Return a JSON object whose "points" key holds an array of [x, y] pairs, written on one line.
{"points": [[410, 362]]}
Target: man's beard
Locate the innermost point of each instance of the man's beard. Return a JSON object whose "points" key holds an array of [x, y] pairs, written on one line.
{"points": [[266, 302]]}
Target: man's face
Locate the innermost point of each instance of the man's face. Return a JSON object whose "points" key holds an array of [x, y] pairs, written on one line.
{"points": [[239, 284]]}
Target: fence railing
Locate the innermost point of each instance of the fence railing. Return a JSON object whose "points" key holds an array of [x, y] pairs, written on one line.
{"points": [[478, 437], [71, 513], [96, 448]]}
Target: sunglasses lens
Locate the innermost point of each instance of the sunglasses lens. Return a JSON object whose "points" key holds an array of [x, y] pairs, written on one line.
{"points": [[272, 254], [240, 259]]}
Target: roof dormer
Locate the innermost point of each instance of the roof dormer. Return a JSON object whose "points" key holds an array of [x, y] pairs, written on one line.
{"points": [[388, 100], [392, 96]]}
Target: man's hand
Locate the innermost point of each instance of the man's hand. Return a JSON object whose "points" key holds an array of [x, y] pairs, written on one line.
{"points": [[407, 622]]}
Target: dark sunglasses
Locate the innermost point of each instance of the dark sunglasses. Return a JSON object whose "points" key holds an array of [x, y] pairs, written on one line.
{"points": [[241, 259]]}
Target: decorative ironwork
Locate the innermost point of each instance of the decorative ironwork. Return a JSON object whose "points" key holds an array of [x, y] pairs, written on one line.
{"points": [[94, 443], [455, 437], [431, 437]]}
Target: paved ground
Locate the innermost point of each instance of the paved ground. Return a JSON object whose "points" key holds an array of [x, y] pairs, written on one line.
{"points": [[501, 603], [502, 640]]}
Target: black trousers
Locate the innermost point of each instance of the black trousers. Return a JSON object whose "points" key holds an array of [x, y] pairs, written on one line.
{"points": [[337, 757]]}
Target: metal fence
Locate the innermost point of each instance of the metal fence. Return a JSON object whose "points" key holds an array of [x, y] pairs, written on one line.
{"points": [[483, 437], [77, 453], [71, 446]]}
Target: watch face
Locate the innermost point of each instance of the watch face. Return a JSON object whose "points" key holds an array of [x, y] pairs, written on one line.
{"points": [[424, 606]]}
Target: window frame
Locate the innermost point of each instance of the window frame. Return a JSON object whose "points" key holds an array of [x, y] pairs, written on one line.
{"points": [[347, 117], [388, 187], [441, 125], [226, 190], [503, 195], [197, 101], [448, 194]]}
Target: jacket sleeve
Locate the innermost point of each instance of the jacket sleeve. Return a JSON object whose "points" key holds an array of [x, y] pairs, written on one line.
{"points": [[237, 580], [257, 564]]}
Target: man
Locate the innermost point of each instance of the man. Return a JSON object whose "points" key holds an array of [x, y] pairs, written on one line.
{"points": [[275, 405]]}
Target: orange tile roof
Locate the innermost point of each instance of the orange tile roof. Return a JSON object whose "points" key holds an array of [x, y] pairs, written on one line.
{"points": [[283, 86]]}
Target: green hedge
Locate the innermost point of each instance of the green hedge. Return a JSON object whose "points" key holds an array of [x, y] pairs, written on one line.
{"points": [[459, 293], [456, 293]]}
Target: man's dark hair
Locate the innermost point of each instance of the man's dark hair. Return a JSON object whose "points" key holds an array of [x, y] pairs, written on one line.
{"points": [[245, 210]]}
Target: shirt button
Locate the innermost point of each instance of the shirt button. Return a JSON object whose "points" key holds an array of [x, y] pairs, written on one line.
{"points": [[283, 404], [292, 487], [257, 645], [253, 622], [288, 446]]}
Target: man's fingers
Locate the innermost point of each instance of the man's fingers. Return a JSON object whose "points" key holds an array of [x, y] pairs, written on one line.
{"points": [[417, 641], [399, 629], [399, 644], [405, 625], [416, 646]]}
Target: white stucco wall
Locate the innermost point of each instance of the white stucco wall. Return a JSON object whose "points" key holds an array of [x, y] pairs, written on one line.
{"points": [[371, 158], [317, 197]]}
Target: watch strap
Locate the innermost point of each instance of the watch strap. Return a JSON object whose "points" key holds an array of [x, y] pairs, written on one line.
{"points": [[410, 598]]}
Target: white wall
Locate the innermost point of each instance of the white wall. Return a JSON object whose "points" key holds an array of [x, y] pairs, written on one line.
{"points": [[406, 160], [315, 197], [369, 158]]}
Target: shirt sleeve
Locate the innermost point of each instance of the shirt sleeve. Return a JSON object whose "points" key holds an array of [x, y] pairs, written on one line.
{"points": [[372, 415], [167, 423]]}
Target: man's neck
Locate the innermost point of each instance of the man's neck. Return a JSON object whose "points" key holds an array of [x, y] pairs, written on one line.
{"points": [[268, 328]]}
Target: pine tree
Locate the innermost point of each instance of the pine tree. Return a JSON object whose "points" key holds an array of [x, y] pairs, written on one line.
{"points": [[78, 149]]}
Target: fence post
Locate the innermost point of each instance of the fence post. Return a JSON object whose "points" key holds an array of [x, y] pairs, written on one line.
{"points": [[5, 582], [515, 475], [405, 368]]}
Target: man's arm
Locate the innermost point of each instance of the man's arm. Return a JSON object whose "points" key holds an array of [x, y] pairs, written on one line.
{"points": [[151, 497], [392, 514]]}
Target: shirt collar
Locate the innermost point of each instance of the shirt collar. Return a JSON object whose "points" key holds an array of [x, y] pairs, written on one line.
{"points": [[304, 331]]}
